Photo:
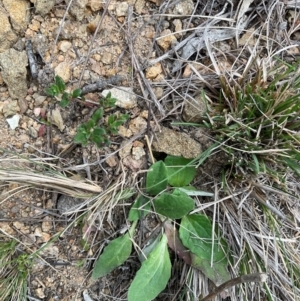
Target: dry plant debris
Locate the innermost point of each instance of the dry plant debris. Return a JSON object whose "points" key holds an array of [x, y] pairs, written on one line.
{"points": [[220, 75]]}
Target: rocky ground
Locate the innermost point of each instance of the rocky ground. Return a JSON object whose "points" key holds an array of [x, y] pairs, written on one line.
{"points": [[84, 41], [70, 45]]}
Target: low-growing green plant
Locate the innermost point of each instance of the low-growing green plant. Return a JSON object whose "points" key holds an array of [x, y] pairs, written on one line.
{"points": [[92, 131], [14, 270], [95, 130], [169, 193], [58, 91], [257, 120]]}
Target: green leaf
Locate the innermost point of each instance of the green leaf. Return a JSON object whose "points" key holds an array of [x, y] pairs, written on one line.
{"points": [[217, 273], [139, 209], [89, 125], [98, 114], [64, 100], [156, 180], [196, 234], [117, 123], [82, 129], [109, 101], [76, 93], [81, 138], [179, 172], [111, 119], [153, 276], [51, 92], [116, 252], [98, 132], [174, 205], [60, 84], [99, 136]]}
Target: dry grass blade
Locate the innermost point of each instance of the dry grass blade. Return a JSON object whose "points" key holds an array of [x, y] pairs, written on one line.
{"points": [[56, 182], [42, 174]]}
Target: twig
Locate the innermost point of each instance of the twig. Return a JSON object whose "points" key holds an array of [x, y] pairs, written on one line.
{"points": [[258, 277], [101, 84], [31, 60]]}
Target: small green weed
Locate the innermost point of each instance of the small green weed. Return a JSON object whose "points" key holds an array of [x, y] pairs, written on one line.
{"points": [[14, 270], [169, 194], [95, 130], [91, 131], [58, 91]]}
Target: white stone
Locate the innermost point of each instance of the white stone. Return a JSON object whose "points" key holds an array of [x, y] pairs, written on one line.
{"points": [[63, 70], [125, 96], [13, 121]]}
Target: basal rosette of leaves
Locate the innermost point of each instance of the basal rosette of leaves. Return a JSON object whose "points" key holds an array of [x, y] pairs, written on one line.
{"points": [[169, 195]]}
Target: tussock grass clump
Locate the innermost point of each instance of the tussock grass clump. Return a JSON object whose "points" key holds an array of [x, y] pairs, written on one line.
{"points": [[256, 120], [258, 117]]}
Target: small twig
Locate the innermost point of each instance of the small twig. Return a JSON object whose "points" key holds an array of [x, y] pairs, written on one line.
{"points": [[31, 60], [257, 277], [101, 84], [149, 149]]}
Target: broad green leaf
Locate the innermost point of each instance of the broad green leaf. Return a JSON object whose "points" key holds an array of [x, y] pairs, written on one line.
{"points": [[156, 180], [80, 138], [196, 234], [98, 141], [99, 131], [174, 205], [217, 273], [116, 252], [82, 128], [98, 114], [98, 136], [60, 84], [140, 208], [153, 275], [179, 172], [76, 93]]}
